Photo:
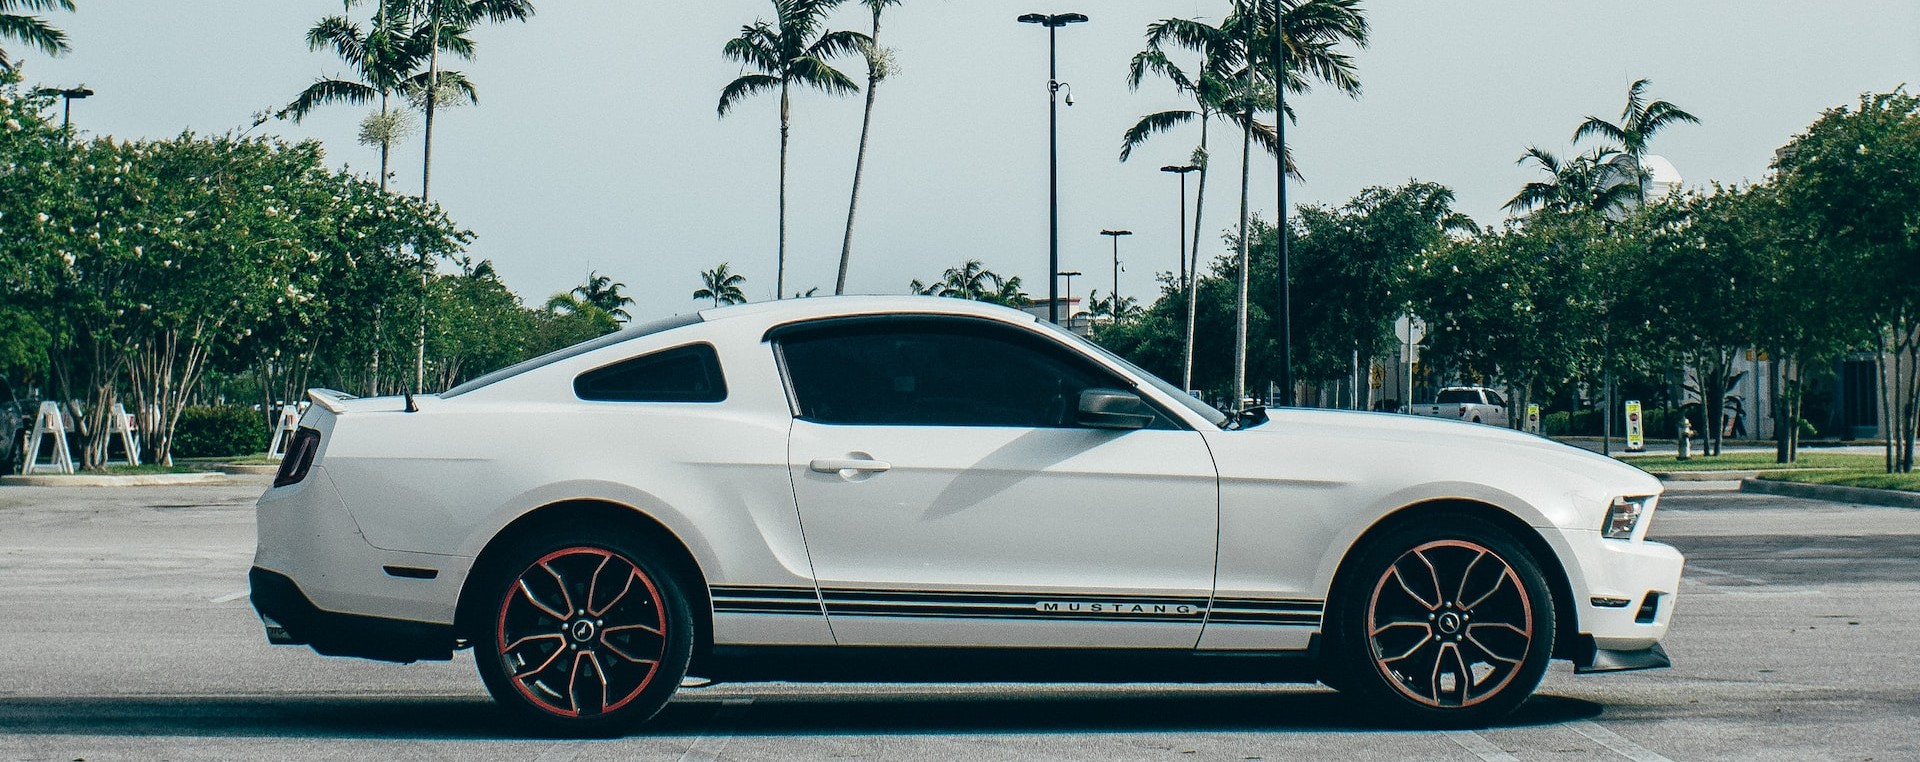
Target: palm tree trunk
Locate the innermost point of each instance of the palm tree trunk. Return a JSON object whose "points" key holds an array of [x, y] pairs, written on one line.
{"points": [[780, 261], [860, 158], [426, 185], [386, 143], [1240, 317]]}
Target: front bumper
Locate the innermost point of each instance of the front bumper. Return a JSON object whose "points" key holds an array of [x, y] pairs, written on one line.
{"points": [[1624, 591]]}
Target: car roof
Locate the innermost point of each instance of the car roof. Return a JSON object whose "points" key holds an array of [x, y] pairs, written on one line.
{"points": [[815, 307]]}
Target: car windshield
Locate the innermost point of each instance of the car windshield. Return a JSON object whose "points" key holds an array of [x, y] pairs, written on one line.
{"points": [[1209, 412], [663, 324]]}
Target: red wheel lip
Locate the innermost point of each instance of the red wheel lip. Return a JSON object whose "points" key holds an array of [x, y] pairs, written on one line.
{"points": [[659, 607], [1526, 608]]}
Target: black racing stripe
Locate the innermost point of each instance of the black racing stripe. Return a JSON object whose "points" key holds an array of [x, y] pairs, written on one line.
{"points": [[1023, 615], [1295, 620], [1273, 604], [1008, 598], [774, 592]]}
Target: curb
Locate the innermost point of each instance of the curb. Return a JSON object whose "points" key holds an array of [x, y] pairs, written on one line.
{"points": [[1833, 492], [1703, 476], [109, 480], [249, 470]]}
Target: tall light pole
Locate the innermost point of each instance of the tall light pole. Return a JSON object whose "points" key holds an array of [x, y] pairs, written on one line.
{"points": [[1068, 274], [1187, 275], [1113, 299], [70, 94], [1285, 307], [1053, 23]]}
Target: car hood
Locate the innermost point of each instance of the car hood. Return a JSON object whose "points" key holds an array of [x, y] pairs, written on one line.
{"points": [[1469, 450]]}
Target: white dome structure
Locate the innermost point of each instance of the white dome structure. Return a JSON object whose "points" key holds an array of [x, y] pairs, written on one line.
{"points": [[1661, 178]]}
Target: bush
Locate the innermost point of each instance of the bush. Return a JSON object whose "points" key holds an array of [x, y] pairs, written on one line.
{"points": [[211, 432]]}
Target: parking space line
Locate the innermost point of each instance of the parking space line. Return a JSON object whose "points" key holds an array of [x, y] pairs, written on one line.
{"points": [[229, 597], [1481, 747], [1618, 743], [719, 731], [1725, 574]]}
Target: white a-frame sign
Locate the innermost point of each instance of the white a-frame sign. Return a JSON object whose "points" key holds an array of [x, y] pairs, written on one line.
{"points": [[48, 425]]}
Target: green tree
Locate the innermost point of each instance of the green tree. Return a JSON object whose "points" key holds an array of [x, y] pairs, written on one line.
{"points": [[1639, 121], [601, 291], [722, 286], [1848, 185], [1355, 259], [880, 65], [33, 31], [793, 50]]}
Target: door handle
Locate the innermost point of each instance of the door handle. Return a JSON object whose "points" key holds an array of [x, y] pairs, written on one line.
{"points": [[840, 465]]}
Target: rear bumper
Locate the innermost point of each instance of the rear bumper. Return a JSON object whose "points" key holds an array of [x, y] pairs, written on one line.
{"points": [[292, 619]]}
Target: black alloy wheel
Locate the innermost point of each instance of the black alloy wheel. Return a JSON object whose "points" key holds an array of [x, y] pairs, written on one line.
{"points": [[582, 637], [1447, 623]]}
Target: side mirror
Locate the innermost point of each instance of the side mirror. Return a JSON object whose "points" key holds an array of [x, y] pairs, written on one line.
{"points": [[1113, 409]]}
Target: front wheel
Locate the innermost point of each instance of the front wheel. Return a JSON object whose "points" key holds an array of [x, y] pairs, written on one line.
{"points": [[1444, 622], [582, 636]]}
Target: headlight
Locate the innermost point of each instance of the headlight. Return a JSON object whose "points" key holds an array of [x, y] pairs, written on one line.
{"points": [[1623, 516]]}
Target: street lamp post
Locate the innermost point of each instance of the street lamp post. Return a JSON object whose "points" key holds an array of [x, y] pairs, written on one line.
{"points": [[1113, 299], [1068, 274], [1186, 275], [1053, 23], [1285, 308], [69, 94]]}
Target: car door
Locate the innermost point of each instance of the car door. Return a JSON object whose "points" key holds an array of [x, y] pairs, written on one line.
{"points": [[948, 497]]}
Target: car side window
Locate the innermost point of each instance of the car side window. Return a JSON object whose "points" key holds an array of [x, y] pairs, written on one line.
{"points": [[1493, 398], [683, 374], [937, 373]]}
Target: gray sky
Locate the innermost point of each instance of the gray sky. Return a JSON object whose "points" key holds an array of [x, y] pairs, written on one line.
{"points": [[596, 145]]}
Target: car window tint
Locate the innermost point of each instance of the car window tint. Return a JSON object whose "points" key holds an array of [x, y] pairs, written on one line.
{"points": [[686, 374], [1493, 398], [937, 373], [1450, 396]]}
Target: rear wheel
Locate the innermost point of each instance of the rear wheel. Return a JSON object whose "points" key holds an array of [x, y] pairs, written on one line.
{"points": [[1443, 622], [581, 636]]}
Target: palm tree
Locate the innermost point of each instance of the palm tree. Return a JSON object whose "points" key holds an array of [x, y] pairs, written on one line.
{"points": [[1639, 122], [879, 66], [387, 59], [601, 291], [1128, 309], [723, 286], [33, 31], [1595, 182], [436, 19], [793, 50]]}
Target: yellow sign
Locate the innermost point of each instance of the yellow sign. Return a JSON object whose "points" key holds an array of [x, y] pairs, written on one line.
{"points": [[1533, 418], [1636, 431]]}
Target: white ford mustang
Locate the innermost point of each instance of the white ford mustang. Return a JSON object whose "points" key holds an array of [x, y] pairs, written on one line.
{"points": [[920, 489]]}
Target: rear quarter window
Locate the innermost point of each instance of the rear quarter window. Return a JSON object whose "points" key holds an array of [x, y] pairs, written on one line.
{"points": [[683, 374]]}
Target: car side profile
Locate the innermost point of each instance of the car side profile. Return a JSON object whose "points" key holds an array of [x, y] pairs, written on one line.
{"points": [[924, 489]]}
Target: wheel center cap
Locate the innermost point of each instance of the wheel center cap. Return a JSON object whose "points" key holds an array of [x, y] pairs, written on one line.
{"points": [[1449, 623], [582, 630]]}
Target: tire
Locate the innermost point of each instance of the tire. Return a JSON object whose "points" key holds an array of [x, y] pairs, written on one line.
{"points": [[1444, 622], [561, 654]]}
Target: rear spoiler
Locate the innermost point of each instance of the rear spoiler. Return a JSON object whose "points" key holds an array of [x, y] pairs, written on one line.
{"points": [[330, 399]]}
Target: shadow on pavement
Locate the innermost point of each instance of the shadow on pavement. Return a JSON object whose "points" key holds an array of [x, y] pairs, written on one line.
{"points": [[827, 711]]}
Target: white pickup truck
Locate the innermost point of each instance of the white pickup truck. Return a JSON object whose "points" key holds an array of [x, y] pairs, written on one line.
{"points": [[1474, 404]]}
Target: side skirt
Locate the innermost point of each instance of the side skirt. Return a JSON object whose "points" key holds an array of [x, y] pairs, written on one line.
{"points": [[828, 664]]}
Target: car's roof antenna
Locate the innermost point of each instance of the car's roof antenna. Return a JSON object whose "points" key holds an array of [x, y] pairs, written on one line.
{"points": [[411, 408]]}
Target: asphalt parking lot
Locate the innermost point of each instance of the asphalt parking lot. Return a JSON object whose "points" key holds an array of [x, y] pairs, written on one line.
{"points": [[125, 634]]}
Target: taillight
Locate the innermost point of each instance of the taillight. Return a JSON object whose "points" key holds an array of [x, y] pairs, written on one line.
{"points": [[299, 457]]}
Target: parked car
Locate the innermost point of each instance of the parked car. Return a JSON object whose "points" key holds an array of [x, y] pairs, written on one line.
{"points": [[984, 496], [1473, 404]]}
